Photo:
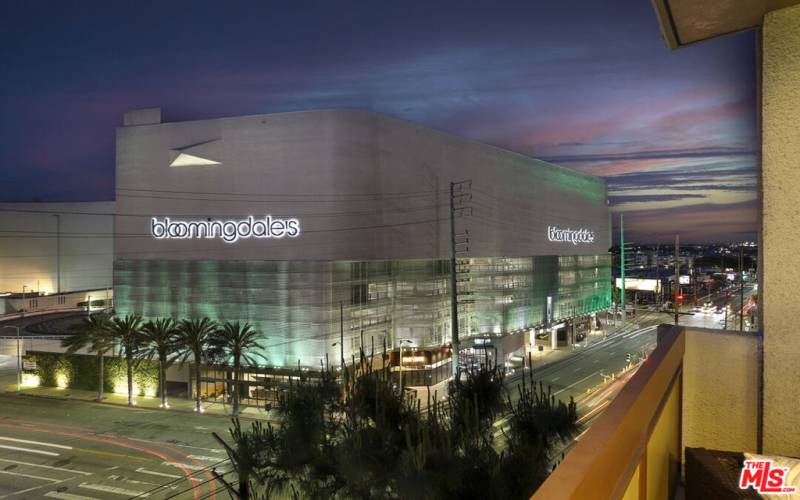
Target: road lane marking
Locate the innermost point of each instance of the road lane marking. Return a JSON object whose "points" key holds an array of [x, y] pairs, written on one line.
{"points": [[49, 485], [123, 479], [112, 454], [28, 450], [208, 459], [29, 476], [154, 473], [67, 496], [577, 369], [639, 334], [554, 379], [184, 466], [574, 384], [113, 489], [212, 450], [25, 441], [50, 467]]}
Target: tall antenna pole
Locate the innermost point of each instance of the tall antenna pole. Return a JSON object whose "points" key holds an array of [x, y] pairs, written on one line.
{"points": [[677, 276], [622, 263]]}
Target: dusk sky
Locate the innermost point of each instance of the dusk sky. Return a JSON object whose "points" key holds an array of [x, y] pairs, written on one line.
{"points": [[584, 84]]}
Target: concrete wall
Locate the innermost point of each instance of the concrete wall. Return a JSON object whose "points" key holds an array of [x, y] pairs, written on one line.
{"points": [[364, 186], [16, 305], [780, 238], [720, 390], [29, 246]]}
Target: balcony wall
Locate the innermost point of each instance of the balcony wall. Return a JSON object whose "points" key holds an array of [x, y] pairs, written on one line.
{"points": [[698, 388], [780, 231], [720, 390]]}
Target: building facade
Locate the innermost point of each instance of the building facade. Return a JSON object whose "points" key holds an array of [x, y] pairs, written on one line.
{"points": [[326, 225]]}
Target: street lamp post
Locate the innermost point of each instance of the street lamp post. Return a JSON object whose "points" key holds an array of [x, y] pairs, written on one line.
{"points": [[19, 358]]}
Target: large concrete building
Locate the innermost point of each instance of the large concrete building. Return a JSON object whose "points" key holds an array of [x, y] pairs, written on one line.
{"points": [[325, 224], [325, 230], [55, 255]]}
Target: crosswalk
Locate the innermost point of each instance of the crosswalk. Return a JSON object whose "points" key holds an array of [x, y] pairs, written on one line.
{"points": [[71, 470]]}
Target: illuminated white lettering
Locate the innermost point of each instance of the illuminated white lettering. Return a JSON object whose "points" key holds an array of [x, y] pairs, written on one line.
{"points": [[228, 231], [568, 235]]}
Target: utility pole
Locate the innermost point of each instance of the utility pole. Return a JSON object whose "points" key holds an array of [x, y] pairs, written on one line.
{"points": [[622, 263], [459, 194], [741, 289], [677, 277]]}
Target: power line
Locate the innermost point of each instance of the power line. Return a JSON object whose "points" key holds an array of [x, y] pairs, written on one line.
{"points": [[65, 234], [381, 210], [314, 195]]}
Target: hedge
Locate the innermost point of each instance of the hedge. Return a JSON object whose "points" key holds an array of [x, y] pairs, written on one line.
{"points": [[79, 371]]}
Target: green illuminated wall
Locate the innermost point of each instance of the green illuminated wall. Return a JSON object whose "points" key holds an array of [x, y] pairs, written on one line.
{"points": [[296, 303]]}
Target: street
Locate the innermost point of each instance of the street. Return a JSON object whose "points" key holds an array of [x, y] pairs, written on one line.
{"points": [[74, 450]]}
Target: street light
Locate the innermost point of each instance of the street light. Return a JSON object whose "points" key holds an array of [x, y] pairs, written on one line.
{"points": [[19, 358], [403, 341]]}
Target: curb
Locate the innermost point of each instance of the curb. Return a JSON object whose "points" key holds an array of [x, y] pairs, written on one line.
{"points": [[134, 408]]}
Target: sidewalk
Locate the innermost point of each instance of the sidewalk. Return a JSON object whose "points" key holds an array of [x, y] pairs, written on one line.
{"points": [[8, 383]]}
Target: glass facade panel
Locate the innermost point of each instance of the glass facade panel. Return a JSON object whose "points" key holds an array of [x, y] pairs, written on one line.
{"points": [[296, 304]]}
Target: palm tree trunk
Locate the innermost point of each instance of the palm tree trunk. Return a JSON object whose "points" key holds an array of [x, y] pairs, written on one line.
{"points": [[197, 382], [244, 487], [129, 363], [101, 385], [236, 399], [162, 381]]}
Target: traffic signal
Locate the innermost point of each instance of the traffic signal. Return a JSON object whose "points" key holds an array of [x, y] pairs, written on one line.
{"points": [[628, 358], [680, 297]]}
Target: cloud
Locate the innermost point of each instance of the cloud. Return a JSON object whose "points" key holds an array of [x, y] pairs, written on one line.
{"points": [[647, 198], [650, 155]]}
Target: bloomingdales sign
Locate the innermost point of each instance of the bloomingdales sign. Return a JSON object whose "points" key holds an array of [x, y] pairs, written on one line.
{"points": [[228, 231], [574, 236]]}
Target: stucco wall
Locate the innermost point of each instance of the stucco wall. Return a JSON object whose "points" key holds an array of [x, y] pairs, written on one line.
{"points": [[780, 230], [720, 390], [364, 187]]}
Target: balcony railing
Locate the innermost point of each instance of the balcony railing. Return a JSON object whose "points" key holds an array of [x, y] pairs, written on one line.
{"points": [[699, 388]]}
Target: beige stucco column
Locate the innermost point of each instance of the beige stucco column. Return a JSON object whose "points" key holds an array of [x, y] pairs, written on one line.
{"points": [[779, 289]]}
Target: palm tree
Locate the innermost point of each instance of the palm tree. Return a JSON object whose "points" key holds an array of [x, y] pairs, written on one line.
{"points": [[94, 332], [193, 337], [127, 331], [236, 344], [159, 338]]}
